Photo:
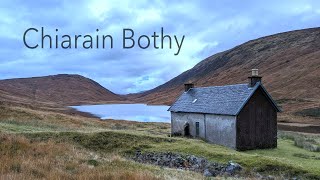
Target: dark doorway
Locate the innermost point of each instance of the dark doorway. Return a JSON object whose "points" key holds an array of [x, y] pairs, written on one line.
{"points": [[186, 129]]}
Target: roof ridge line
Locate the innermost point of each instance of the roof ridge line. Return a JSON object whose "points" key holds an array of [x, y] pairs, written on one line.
{"points": [[219, 86]]}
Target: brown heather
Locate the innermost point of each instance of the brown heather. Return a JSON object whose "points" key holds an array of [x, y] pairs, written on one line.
{"points": [[22, 159]]}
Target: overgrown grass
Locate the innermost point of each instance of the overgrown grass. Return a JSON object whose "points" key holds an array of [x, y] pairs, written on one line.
{"points": [[22, 158], [308, 142], [286, 153], [282, 161], [268, 161], [29, 126], [107, 142], [65, 147]]}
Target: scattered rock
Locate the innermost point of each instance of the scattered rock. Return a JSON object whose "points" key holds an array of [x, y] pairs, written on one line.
{"points": [[232, 168], [207, 173], [216, 168], [259, 176], [188, 162], [270, 177]]}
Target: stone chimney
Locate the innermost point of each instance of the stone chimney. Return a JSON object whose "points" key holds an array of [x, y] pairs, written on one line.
{"points": [[254, 78], [187, 86]]}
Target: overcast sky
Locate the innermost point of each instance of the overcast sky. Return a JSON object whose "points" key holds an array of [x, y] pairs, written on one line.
{"points": [[209, 27]]}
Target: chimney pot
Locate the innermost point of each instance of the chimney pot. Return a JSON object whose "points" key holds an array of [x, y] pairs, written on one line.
{"points": [[254, 78], [254, 72]]}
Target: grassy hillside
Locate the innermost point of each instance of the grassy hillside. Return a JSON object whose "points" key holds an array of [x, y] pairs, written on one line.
{"points": [[289, 63], [36, 144], [62, 89]]}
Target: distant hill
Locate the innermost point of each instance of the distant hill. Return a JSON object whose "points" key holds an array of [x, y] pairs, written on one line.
{"points": [[289, 63], [61, 89]]}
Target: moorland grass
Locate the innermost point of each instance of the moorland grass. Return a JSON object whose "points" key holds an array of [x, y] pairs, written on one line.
{"points": [[24, 158], [281, 161], [69, 136], [308, 142]]}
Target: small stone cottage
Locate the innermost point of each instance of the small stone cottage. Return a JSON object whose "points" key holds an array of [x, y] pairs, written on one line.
{"points": [[240, 116]]}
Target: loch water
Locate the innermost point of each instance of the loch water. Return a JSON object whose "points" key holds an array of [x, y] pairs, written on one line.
{"points": [[131, 112]]}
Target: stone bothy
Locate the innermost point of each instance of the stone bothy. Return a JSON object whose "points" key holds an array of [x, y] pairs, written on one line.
{"points": [[240, 116]]}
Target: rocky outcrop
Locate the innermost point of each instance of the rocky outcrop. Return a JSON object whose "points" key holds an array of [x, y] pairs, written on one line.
{"points": [[188, 162]]}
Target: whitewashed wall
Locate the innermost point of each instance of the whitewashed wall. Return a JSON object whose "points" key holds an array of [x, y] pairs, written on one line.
{"points": [[217, 129], [221, 129]]}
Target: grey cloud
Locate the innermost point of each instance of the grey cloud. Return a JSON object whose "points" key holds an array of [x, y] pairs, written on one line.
{"points": [[209, 26]]}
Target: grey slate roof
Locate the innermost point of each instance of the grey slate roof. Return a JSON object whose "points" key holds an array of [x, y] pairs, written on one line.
{"points": [[224, 100]]}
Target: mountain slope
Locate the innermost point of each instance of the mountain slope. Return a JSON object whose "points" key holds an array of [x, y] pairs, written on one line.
{"points": [[289, 63], [61, 89]]}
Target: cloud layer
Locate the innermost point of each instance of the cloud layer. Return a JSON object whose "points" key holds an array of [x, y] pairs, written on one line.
{"points": [[209, 27]]}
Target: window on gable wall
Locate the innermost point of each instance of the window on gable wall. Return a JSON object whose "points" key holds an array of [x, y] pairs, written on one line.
{"points": [[197, 128]]}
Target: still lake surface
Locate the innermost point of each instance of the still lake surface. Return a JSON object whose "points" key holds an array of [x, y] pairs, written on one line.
{"points": [[131, 112]]}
